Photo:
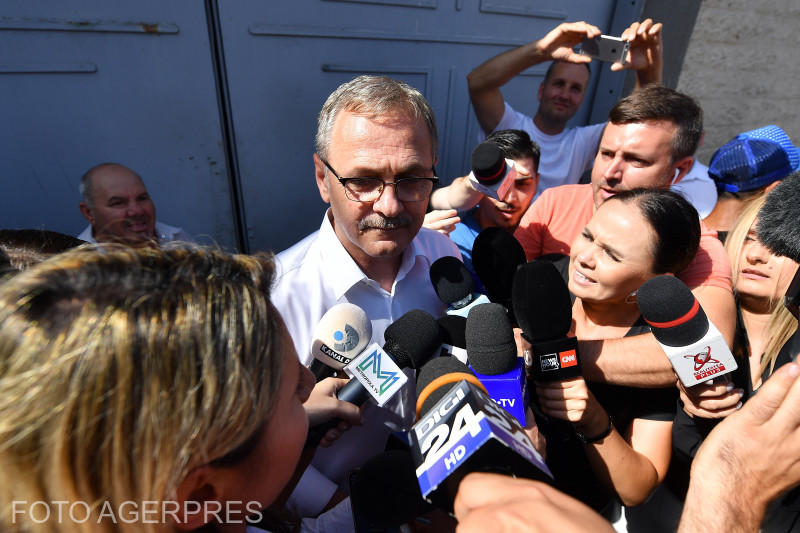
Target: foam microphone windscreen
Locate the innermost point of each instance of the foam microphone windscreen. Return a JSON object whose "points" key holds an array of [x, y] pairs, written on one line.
{"points": [[496, 254], [451, 280], [385, 490], [453, 330], [491, 348], [412, 339], [541, 301], [488, 163], [432, 384], [778, 226], [674, 314]]}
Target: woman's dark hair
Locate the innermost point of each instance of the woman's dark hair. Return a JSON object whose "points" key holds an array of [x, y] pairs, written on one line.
{"points": [[675, 222]]}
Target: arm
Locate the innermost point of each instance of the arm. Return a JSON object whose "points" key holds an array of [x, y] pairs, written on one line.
{"points": [[631, 466], [459, 195], [485, 81], [491, 502], [748, 460], [639, 361]]}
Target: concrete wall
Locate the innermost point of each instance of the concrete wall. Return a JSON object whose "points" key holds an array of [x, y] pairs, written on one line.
{"points": [[743, 66]]}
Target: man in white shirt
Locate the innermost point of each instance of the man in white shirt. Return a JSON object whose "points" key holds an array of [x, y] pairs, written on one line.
{"points": [[376, 148], [119, 209], [567, 152]]}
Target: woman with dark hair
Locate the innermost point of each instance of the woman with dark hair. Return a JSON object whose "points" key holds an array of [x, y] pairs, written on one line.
{"points": [[618, 448]]}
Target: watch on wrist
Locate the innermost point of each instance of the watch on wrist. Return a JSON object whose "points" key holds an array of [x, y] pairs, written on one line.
{"points": [[594, 438]]}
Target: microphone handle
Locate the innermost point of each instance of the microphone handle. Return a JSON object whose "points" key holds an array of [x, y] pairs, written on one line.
{"points": [[321, 370], [353, 393]]}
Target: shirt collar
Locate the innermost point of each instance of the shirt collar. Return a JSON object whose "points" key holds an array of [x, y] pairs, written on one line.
{"points": [[344, 272]]}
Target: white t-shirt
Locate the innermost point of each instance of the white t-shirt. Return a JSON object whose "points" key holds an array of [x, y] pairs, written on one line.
{"points": [[564, 157], [313, 276], [698, 187]]}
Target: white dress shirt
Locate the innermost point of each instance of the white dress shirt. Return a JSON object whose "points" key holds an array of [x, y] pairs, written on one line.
{"points": [[313, 276], [164, 233]]}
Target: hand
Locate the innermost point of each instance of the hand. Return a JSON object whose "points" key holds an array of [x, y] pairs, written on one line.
{"points": [[645, 52], [532, 431], [712, 399], [572, 400], [558, 43], [322, 405], [491, 502], [444, 221], [749, 459]]}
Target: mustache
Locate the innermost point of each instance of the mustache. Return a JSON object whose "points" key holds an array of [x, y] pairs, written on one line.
{"points": [[376, 221]]}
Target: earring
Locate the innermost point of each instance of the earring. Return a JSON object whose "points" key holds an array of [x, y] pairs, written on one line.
{"points": [[631, 298]]}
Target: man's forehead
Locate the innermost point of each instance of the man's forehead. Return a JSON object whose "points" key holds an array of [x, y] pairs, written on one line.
{"points": [[115, 181], [395, 131], [645, 135], [570, 72]]}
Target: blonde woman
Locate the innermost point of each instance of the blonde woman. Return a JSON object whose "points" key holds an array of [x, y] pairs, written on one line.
{"points": [[147, 390]]}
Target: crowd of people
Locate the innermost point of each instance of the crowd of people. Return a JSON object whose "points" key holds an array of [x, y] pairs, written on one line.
{"points": [[147, 383]]}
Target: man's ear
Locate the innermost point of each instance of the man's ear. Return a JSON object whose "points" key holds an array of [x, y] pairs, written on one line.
{"points": [[86, 211], [683, 166], [194, 493], [772, 186], [322, 183]]}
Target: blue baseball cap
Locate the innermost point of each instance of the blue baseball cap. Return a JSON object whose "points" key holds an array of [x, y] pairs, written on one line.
{"points": [[754, 159]]}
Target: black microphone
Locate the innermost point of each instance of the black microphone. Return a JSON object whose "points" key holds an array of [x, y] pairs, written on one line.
{"points": [[778, 218], [778, 229], [384, 492], [410, 340], [496, 254], [341, 335], [454, 286], [461, 430], [492, 354], [694, 346], [543, 308], [492, 174], [454, 341]]}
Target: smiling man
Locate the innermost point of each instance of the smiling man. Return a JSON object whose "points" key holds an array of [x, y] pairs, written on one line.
{"points": [[649, 142], [119, 209], [376, 149]]}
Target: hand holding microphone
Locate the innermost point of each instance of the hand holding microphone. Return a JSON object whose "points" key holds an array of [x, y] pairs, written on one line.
{"points": [[492, 174]]}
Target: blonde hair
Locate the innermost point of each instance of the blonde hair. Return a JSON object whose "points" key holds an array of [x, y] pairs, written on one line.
{"points": [[781, 324], [122, 369]]}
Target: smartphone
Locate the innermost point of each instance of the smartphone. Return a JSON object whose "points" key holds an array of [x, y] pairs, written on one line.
{"points": [[605, 48]]}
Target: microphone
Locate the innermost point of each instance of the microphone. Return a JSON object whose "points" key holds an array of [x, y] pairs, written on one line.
{"points": [[454, 342], [496, 254], [777, 218], [461, 430], [454, 286], [492, 174], [410, 340], [384, 492], [694, 346], [492, 354], [543, 308], [341, 334]]}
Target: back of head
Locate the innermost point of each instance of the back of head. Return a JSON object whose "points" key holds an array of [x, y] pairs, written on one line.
{"points": [[27, 247], [515, 144], [754, 159], [373, 96], [675, 223], [123, 369], [656, 102]]}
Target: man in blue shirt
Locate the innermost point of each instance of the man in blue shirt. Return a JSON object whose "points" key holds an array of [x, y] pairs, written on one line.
{"points": [[506, 213]]}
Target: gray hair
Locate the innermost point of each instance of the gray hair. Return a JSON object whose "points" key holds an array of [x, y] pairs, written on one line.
{"points": [[85, 186], [373, 96]]}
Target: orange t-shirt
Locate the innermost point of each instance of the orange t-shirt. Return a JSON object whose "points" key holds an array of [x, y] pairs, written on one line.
{"points": [[559, 215]]}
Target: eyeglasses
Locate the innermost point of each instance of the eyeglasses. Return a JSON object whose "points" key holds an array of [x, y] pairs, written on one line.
{"points": [[370, 189]]}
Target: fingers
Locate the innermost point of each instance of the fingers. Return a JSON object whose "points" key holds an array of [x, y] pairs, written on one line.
{"points": [[480, 489], [442, 220], [333, 434]]}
